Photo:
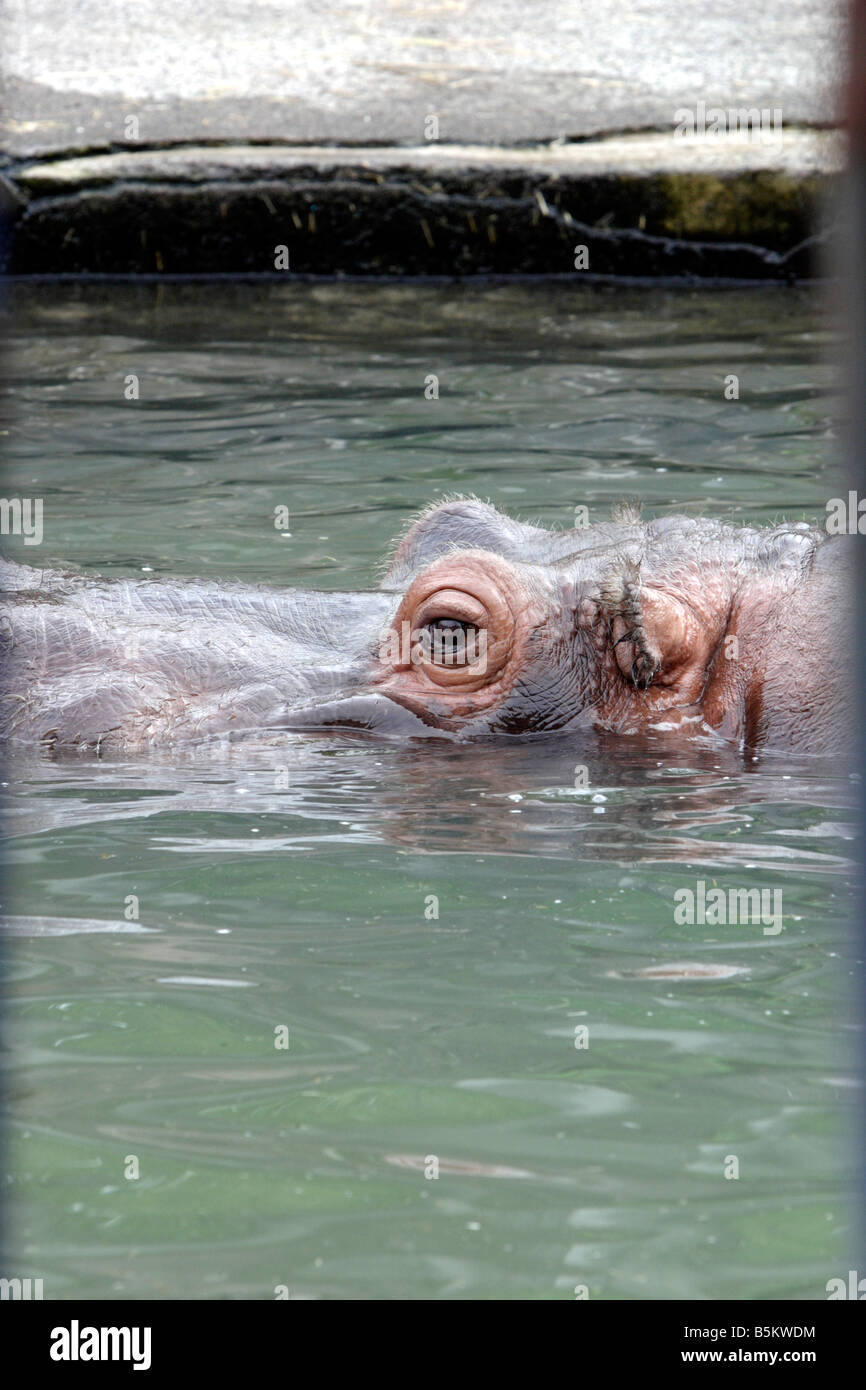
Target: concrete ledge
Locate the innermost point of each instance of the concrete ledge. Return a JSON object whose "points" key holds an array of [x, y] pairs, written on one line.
{"points": [[643, 205], [352, 72]]}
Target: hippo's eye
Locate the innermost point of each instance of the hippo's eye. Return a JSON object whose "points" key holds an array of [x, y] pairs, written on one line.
{"points": [[451, 642]]}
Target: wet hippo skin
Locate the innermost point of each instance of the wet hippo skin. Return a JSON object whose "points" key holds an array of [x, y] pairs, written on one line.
{"points": [[482, 626]]}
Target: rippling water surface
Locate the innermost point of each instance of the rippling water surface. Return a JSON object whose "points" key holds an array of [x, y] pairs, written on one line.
{"points": [[432, 925]]}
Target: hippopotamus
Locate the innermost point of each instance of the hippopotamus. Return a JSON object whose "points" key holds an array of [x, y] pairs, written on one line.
{"points": [[482, 627]]}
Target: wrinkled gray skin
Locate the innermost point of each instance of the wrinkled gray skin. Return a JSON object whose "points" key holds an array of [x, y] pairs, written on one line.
{"points": [[676, 624]]}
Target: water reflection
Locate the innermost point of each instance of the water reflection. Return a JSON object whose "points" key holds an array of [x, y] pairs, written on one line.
{"points": [[643, 799]]}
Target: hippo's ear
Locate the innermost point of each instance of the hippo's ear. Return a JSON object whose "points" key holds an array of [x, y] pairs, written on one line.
{"points": [[658, 639], [635, 649]]}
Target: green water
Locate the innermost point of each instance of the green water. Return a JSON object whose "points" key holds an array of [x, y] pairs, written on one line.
{"points": [[296, 887]]}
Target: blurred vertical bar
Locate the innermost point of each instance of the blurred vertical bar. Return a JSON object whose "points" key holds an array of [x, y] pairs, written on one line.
{"points": [[7, 207], [855, 272], [7, 203]]}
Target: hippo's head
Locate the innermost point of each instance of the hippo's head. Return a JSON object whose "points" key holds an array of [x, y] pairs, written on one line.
{"points": [[508, 629], [482, 626]]}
